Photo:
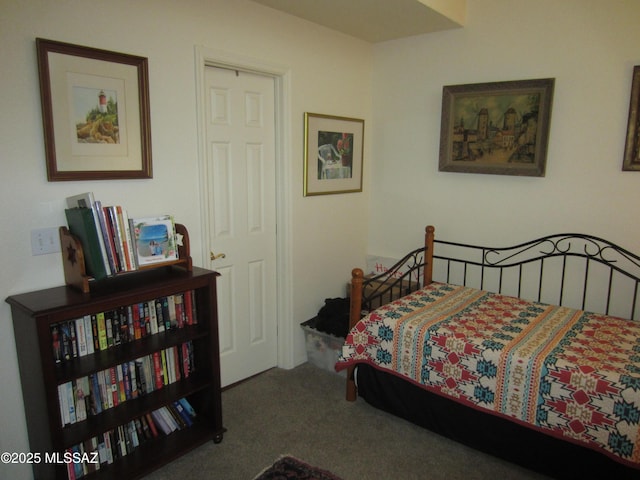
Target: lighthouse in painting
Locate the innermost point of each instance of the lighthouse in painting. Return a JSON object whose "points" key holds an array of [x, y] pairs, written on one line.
{"points": [[102, 103]]}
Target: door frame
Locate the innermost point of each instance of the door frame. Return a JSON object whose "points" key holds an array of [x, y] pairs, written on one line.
{"points": [[208, 57]]}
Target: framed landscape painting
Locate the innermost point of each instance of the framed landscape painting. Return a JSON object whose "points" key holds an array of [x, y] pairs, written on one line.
{"points": [[497, 128], [95, 109], [332, 154]]}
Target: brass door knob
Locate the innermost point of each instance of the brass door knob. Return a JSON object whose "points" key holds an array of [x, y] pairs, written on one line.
{"points": [[213, 256]]}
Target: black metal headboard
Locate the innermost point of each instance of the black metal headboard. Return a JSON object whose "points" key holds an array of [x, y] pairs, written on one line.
{"points": [[573, 270], [580, 271]]}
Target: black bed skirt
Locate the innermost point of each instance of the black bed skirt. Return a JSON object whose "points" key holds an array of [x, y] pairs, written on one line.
{"points": [[485, 432]]}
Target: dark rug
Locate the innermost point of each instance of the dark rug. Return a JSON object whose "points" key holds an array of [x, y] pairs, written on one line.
{"points": [[289, 468]]}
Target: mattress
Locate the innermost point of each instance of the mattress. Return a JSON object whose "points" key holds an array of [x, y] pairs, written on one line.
{"points": [[567, 373]]}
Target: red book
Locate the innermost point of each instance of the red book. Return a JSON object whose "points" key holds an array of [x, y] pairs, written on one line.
{"points": [[57, 350], [194, 309], [71, 469], [157, 370], [152, 425], [114, 385], [188, 307], [185, 360], [137, 333]]}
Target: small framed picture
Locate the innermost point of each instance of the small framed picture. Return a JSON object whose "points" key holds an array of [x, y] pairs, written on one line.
{"points": [[155, 240], [332, 154], [95, 111]]}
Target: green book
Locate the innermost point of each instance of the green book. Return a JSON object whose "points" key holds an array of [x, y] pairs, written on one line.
{"points": [[82, 225]]}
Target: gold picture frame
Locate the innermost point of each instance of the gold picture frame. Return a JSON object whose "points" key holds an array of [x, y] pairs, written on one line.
{"points": [[333, 154], [95, 113]]}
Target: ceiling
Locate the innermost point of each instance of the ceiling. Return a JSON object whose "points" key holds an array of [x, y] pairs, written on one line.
{"points": [[377, 20]]}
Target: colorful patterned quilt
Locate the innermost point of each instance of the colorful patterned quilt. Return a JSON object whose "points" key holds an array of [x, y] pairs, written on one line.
{"points": [[569, 373]]}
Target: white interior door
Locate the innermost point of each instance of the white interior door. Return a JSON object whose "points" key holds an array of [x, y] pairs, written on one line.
{"points": [[242, 225]]}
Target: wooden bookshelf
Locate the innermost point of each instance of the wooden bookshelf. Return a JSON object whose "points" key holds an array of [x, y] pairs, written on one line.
{"points": [[34, 314]]}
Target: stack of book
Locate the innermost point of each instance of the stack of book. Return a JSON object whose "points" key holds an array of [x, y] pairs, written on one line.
{"points": [[104, 449], [103, 330], [95, 393], [112, 242]]}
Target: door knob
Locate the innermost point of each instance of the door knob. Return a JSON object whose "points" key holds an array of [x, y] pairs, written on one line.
{"points": [[213, 256]]}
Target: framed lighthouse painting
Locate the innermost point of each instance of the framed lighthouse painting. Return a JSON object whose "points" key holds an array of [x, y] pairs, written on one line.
{"points": [[95, 112]]}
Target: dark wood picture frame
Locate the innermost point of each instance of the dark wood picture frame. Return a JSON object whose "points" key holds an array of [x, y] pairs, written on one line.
{"points": [[631, 160], [499, 128], [107, 140]]}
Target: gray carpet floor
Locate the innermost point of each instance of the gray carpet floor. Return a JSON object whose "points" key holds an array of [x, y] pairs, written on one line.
{"points": [[302, 412]]}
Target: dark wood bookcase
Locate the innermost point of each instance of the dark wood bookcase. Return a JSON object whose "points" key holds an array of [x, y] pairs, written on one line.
{"points": [[33, 315]]}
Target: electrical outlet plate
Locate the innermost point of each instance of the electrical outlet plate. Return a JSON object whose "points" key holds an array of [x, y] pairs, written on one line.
{"points": [[45, 240]]}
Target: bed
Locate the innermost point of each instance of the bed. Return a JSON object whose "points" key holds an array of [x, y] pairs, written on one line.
{"points": [[503, 349]]}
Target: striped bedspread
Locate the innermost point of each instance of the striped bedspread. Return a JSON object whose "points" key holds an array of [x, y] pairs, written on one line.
{"points": [[569, 373]]}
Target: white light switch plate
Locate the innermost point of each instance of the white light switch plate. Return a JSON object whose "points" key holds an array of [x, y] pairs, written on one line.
{"points": [[45, 240]]}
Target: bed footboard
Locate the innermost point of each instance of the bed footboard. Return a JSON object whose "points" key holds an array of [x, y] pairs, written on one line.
{"points": [[367, 293], [357, 276]]}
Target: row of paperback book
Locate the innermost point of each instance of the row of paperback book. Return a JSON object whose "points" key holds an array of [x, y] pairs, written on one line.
{"points": [[103, 330], [112, 242], [92, 394], [97, 452]]}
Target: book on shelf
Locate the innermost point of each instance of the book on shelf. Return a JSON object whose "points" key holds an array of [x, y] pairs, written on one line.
{"points": [[113, 242], [160, 422], [81, 224], [187, 406], [90, 395], [88, 331], [65, 339], [81, 338], [81, 392], [87, 200], [105, 448], [115, 236], [100, 331], [125, 237], [56, 343], [184, 414], [151, 424]]}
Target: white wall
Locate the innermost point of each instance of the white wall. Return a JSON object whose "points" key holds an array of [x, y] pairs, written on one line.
{"points": [[588, 46], [330, 73]]}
